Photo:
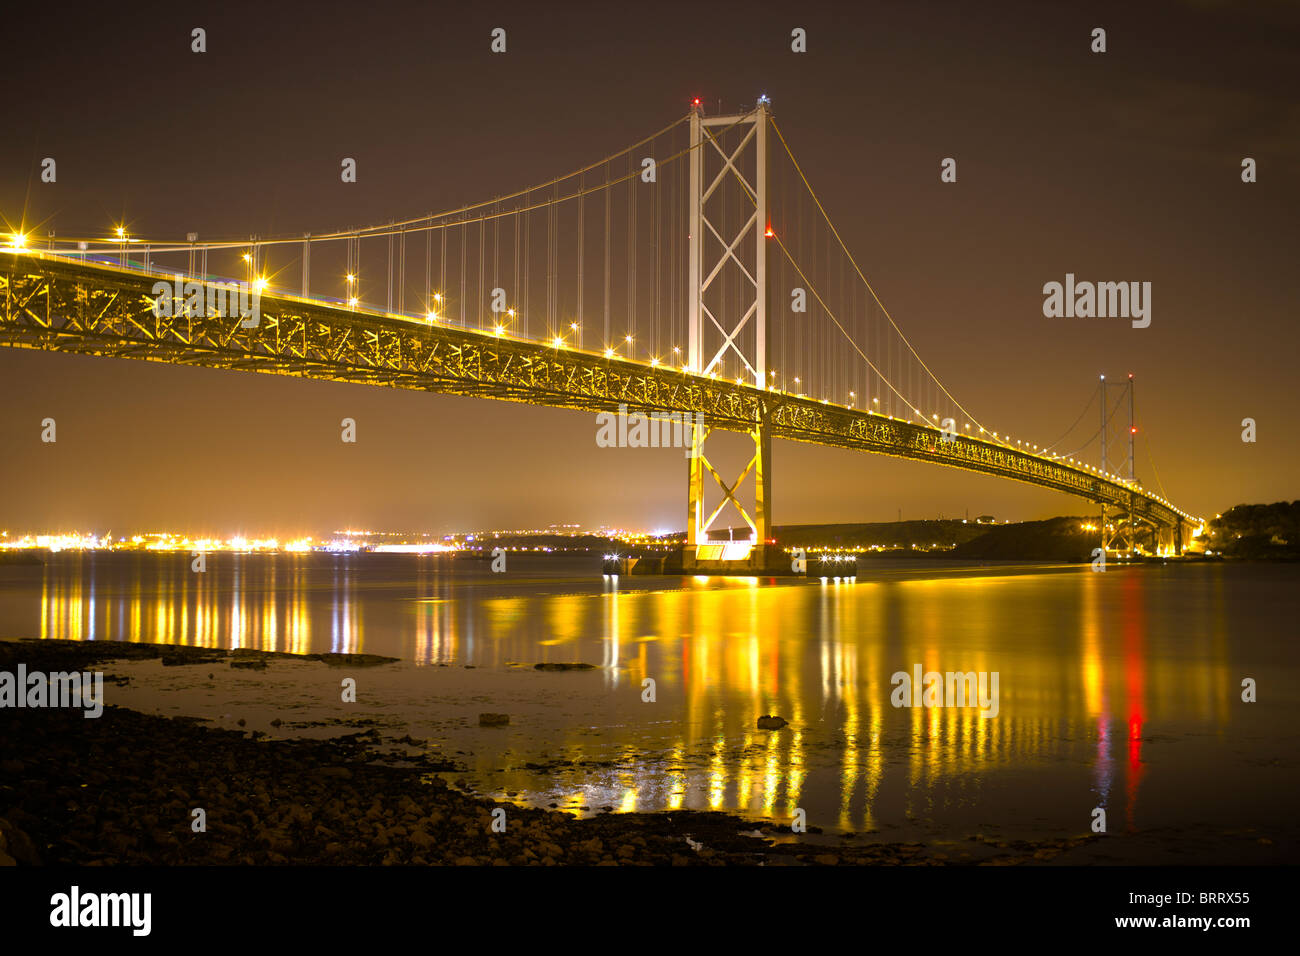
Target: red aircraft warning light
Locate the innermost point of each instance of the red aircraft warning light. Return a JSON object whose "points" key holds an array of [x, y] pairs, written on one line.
{"points": [[769, 234]]}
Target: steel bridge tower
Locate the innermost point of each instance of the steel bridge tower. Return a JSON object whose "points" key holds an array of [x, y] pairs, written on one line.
{"points": [[1122, 533], [742, 329]]}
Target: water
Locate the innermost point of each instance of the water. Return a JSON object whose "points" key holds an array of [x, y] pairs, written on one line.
{"points": [[1119, 690]]}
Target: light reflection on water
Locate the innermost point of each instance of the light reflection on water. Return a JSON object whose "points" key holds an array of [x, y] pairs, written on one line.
{"points": [[1119, 690]]}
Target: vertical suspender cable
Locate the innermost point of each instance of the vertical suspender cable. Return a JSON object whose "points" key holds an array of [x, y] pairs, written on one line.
{"points": [[608, 198], [528, 231], [515, 290], [631, 254], [658, 239], [581, 244]]}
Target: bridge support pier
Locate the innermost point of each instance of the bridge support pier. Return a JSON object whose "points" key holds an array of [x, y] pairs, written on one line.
{"points": [[1117, 533], [1171, 538], [721, 330], [1119, 529], [756, 554]]}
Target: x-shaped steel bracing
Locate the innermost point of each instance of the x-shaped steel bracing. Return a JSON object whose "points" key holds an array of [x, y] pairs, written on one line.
{"points": [[744, 316]]}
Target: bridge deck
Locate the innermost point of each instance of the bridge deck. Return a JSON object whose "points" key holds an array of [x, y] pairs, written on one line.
{"points": [[55, 304]]}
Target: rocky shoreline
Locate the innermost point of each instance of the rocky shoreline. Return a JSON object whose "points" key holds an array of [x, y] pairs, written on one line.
{"points": [[123, 788]]}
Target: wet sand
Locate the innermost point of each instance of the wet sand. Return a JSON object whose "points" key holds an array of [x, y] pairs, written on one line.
{"points": [[315, 787]]}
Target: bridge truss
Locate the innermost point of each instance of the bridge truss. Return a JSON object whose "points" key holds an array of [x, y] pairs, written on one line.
{"points": [[52, 304]]}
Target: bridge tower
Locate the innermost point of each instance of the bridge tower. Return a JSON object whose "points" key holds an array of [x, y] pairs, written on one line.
{"points": [[729, 154], [1123, 536]]}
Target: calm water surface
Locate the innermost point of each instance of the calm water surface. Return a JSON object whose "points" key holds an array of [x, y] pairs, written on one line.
{"points": [[1119, 690]]}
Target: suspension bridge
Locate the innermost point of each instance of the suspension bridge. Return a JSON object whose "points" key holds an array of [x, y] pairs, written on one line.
{"points": [[695, 271]]}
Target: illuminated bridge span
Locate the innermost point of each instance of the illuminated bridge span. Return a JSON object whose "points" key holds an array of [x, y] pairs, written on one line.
{"points": [[739, 305]]}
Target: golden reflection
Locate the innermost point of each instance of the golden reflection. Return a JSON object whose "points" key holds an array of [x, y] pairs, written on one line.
{"points": [[1089, 667], [718, 771], [676, 778]]}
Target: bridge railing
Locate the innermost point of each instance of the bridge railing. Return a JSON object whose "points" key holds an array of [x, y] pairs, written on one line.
{"points": [[107, 309]]}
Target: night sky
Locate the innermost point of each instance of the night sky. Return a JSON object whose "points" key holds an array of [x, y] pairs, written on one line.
{"points": [[1119, 166]]}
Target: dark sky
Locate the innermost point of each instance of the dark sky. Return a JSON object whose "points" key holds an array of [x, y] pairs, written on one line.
{"points": [[1122, 166]]}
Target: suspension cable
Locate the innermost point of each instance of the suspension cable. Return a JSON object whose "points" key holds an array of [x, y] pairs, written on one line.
{"points": [[1095, 391], [857, 269]]}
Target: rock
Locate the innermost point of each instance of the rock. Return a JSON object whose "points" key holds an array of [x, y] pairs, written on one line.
{"points": [[252, 664], [558, 666], [17, 844], [771, 722], [493, 720], [342, 773], [350, 660], [172, 659]]}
